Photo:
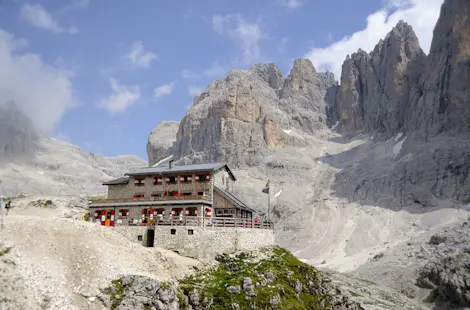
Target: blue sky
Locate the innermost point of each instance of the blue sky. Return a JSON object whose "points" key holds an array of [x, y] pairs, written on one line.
{"points": [[102, 74]]}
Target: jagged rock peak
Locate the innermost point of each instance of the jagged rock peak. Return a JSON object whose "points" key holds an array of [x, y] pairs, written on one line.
{"points": [[160, 141], [269, 73], [445, 80]]}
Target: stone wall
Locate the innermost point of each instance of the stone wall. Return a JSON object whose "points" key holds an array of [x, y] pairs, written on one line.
{"points": [[129, 190], [133, 233], [206, 242]]}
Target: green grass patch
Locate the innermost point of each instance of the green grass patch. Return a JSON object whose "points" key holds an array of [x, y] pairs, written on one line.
{"points": [[116, 293], [273, 276]]}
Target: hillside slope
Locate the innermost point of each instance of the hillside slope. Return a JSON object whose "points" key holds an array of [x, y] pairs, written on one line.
{"points": [[33, 163]]}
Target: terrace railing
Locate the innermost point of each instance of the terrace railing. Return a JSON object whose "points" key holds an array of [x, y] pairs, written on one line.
{"points": [[200, 221]]}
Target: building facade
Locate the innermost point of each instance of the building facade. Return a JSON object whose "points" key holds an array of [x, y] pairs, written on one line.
{"points": [[190, 195]]}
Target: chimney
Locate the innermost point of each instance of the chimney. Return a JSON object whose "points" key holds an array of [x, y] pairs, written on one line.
{"points": [[170, 164]]}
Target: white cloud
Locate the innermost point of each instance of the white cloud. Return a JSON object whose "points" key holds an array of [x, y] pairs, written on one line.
{"points": [[215, 70], [292, 4], [248, 35], [164, 90], [139, 57], [38, 16], [420, 14], [187, 74], [75, 5], [194, 91], [43, 91], [121, 98]]}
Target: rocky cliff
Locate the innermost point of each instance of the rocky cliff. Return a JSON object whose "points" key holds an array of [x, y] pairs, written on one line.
{"points": [[242, 116], [422, 102], [396, 88], [376, 86]]}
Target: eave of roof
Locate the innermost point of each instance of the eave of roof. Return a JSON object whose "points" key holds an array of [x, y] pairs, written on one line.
{"points": [[232, 198], [184, 168], [121, 180]]}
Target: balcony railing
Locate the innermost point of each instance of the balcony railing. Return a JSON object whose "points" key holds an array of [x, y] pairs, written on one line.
{"points": [[198, 221], [149, 199]]}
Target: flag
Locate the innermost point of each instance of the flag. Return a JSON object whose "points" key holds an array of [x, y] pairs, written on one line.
{"points": [[266, 188]]}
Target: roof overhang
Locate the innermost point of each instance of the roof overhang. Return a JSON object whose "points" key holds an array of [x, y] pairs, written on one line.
{"points": [[213, 167], [233, 199]]}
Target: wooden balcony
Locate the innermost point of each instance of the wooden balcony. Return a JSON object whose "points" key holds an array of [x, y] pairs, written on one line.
{"points": [[150, 199], [199, 221]]}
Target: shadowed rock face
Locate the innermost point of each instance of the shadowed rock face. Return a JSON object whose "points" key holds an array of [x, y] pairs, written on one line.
{"points": [[443, 102], [375, 87]]}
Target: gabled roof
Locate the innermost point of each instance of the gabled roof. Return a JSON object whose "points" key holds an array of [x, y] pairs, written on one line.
{"points": [[183, 168], [121, 180], [230, 197]]}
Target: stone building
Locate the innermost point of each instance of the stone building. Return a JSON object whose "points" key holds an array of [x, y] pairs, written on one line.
{"points": [[182, 205]]}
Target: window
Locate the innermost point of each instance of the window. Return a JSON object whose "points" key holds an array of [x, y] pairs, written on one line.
{"points": [[158, 181], [171, 180], [192, 211], [201, 194], [156, 195], [190, 232], [139, 238], [186, 194], [138, 196], [202, 177], [173, 231], [185, 178], [171, 194], [139, 181], [123, 212]]}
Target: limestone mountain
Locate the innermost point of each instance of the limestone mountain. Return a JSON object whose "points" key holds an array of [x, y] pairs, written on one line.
{"points": [[376, 87], [160, 141], [240, 115], [378, 159], [36, 164]]}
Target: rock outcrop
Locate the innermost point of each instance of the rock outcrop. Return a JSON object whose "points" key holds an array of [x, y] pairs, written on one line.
{"points": [[160, 141], [376, 87], [449, 278], [441, 104], [396, 88], [249, 112]]}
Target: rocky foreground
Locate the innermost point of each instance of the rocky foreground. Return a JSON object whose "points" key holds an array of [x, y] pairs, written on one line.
{"points": [[271, 278]]}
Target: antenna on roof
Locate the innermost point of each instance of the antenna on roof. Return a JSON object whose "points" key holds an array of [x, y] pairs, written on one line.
{"points": [[170, 163]]}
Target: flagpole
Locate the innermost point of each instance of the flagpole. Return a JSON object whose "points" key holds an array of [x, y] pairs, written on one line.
{"points": [[269, 204]]}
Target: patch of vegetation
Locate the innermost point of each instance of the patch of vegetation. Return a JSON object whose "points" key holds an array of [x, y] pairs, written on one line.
{"points": [[116, 293], [275, 279], [47, 203], [4, 251]]}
